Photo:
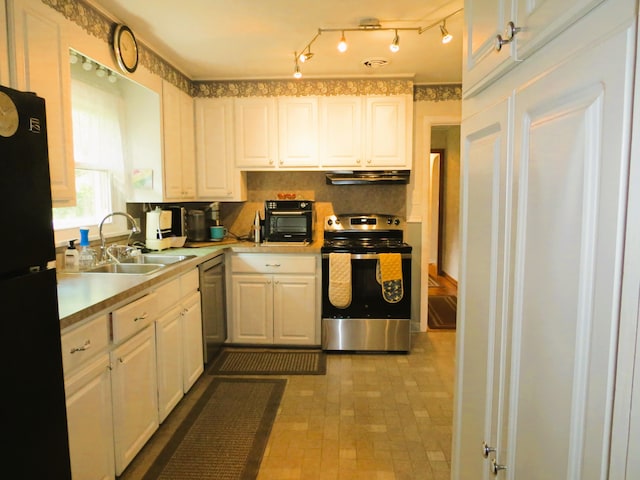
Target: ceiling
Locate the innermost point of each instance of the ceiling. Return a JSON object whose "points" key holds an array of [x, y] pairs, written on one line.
{"points": [[256, 39]]}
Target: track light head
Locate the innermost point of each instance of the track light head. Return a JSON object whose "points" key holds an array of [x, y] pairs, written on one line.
{"points": [[395, 45], [446, 36], [342, 46], [296, 71]]}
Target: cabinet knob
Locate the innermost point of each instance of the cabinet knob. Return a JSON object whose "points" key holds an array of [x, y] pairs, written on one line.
{"points": [[495, 467], [509, 33], [486, 450]]}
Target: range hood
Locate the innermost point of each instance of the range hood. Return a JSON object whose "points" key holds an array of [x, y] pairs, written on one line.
{"points": [[368, 177]]}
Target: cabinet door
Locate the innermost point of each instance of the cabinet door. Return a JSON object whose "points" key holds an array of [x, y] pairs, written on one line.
{"points": [[179, 161], [298, 131], [386, 132], [252, 309], [482, 322], [193, 359], [135, 395], [256, 132], [341, 142], [42, 66], [169, 361], [217, 176], [90, 421], [542, 20], [571, 157], [482, 63], [294, 309]]}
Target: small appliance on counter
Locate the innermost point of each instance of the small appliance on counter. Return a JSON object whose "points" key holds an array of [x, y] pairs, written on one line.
{"points": [[178, 220], [288, 221], [158, 231], [197, 230]]}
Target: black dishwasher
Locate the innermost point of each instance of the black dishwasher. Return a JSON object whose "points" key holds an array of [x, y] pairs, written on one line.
{"points": [[214, 318]]}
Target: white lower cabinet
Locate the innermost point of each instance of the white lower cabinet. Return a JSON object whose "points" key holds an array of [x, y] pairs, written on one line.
{"points": [[179, 355], [133, 378], [135, 398], [89, 405], [274, 299]]}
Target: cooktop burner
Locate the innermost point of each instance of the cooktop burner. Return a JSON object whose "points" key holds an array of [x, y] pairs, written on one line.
{"points": [[364, 233]]}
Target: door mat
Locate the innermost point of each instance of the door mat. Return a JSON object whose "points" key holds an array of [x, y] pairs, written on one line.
{"points": [[442, 311], [433, 282], [225, 435], [269, 362]]}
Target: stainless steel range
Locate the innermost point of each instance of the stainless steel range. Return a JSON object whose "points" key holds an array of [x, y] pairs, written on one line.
{"points": [[366, 284]]}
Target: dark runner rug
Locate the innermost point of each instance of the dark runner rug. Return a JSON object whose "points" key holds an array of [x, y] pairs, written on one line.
{"points": [[225, 435], [442, 311], [259, 362]]}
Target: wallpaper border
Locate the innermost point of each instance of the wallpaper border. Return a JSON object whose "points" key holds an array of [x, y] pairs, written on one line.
{"points": [[99, 25]]}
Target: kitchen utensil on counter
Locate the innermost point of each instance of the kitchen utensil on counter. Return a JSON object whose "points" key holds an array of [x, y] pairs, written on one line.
{"points": [[196, 226], [218, 232]]}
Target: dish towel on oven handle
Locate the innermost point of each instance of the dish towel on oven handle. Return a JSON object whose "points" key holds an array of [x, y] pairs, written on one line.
{"points": [[340, 279], [389, 275]]}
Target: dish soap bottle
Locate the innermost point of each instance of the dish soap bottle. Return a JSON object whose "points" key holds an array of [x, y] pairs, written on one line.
{"points": [[71, 255], [87, 256]]}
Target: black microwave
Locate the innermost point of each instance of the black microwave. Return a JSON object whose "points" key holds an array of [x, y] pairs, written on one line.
{"points": [[288, 221]]}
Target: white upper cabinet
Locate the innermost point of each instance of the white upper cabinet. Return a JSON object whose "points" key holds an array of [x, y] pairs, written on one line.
{"points": [[41, 65], [256, 137], [179, 144], [298, 131], [524, 26], [217, 178], [341, 135], [387, 132]]}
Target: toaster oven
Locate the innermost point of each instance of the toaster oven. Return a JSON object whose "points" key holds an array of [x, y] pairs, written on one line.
{"points": [[288, 221]]}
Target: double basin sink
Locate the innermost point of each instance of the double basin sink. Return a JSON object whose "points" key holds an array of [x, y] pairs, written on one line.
{"points": [[142, 265]]}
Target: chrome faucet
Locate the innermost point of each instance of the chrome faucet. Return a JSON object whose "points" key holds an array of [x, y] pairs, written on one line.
{"points": [[134, 229]]}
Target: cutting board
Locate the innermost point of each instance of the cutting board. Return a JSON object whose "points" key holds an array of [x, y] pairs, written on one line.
{"points": [[210, 243]]}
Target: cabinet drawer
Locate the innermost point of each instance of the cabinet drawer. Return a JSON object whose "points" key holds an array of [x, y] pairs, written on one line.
{"points": [[84, 342], [168, 295], [133, 317], [263, 263], [189, 282]]}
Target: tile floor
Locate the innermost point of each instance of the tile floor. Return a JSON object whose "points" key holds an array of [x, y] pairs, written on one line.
{"points": [[372, 416]]}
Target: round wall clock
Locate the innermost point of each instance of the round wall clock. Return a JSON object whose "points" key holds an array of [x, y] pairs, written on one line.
{"points": [[9, 118], [125, 48]]}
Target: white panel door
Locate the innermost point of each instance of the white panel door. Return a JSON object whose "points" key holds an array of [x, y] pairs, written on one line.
{"points": [[571, 155], [482, 329], [294, 312], [341, 132], [252, 309], [256, 128], [298, 131]]}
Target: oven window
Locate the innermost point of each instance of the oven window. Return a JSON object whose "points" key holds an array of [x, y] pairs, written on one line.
{"points": [[287, 224]]}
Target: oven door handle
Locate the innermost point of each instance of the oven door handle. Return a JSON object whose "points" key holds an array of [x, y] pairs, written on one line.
{"points": [[367, 256], [297, 213]]}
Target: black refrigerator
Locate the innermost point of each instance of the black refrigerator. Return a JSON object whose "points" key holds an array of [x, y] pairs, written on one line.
{"points": [[33, 414]]}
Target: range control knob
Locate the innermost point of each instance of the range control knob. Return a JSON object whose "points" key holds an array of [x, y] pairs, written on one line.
{"points": [[303, 204], [329, 222], [389, 220], [397, 221]]}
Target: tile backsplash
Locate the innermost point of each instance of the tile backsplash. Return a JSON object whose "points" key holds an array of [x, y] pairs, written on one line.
{"points": [[329, 199]]}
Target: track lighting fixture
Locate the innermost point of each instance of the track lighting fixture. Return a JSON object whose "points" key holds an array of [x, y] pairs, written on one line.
{"points": [[395, 45], [296, 72], [446, 36], [372, 25], [342, 46], [305, 57]]}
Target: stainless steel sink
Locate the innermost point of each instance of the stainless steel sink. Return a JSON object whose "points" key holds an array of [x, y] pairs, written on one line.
{"points": [[158, 259], [127, 268]]}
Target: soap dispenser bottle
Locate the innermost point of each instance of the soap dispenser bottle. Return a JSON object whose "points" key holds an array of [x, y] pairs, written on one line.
{"points": [[256, 227], [87, 256], [71, 257]]}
